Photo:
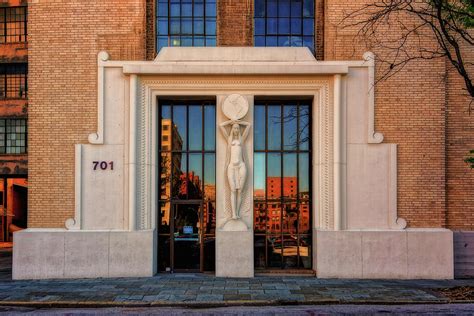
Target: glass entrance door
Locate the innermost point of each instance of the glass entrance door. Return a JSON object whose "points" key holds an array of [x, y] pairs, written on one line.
{"points": [[187, 237]]}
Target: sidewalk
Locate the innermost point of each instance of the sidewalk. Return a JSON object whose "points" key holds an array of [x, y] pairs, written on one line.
{"points": [[206, 290]]}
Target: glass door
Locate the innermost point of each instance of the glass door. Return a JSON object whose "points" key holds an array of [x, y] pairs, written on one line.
{"points": [[187, 237]]}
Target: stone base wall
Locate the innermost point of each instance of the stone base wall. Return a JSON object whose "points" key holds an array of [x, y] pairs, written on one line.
{"points": [[385, 254], [61, 254]]}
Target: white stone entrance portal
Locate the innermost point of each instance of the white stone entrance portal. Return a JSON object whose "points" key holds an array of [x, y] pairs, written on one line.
{"points": [[356, 230]]}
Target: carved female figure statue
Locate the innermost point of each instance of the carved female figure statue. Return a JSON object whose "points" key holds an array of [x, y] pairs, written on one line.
{"points": [[235, 164]]}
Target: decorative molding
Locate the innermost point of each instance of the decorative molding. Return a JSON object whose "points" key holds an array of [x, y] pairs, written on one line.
{"points": [[373, 137], [98, 137], [75, 223], [395, 222]]}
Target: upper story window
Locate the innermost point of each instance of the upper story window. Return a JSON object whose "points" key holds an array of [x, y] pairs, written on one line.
{"points": [[13, 81], [284, 23], [185, 23], [13, 136], [13, 24]]}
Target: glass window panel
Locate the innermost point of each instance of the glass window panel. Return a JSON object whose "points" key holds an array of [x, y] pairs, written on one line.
{"points": [[273, 184], [308, 27], [272, 26], [259, 26], [260, 216], [199, 26], [290, 218], [195, 127], [162, 26], [274, 127], [303, 176], [175, 26], [210, 8], [284, 8], [308, 9], [290, 252], [304, 126], [272, 8], [308, 41], [304, 250], [259, 41], [175, 9], [259, 127], [165, 176], [210, 41], [186, 27], [162, 42], [198, 10], [296, 8], [194, 177], [274, 251], [209, 217], [259, 176], [162, 9], [210, 27], [186, 41], [209, 127], [290, 119], [209, 253], [272, 41], [290, 183], [199, 41], [180, 132], [259, 8], [210, 177], [283, 26], [283, 41], [259, 252], [179, 171], [295, 26], [164, 253], [165, 217], [187, 9], [304, 217]]}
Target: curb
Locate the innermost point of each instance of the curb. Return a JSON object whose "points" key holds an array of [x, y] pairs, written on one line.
{"points": [[210, 304]]}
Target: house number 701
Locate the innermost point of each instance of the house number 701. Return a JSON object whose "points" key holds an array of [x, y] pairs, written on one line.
{"points": [[103, 165]]}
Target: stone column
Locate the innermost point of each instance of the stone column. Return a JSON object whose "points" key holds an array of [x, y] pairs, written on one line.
{"points": [[234, 236]]}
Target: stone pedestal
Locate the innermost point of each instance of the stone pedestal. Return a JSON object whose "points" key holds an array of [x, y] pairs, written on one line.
{"points": [[234, 254]]}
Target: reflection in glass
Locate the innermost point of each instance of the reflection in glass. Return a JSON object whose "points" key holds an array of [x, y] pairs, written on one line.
{"points": [[164, 218], [303, 175], [209, 127], [304, 218], [179, 171], [210, 177], [274, 176], [259, 128], [274, 251], [260, 216], [290, 180], [187, 244], [290, 134], [194, 177], [274, 127], [304, 127], [304, 250], [195, 128], [290, 252], [274, 216], [259, 252], [259, 176], [165, 176], [290, 218], [180, 121], [164, 253], [209, 218]]}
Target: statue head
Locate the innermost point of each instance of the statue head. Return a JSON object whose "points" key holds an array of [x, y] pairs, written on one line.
{"points": [[235, 131]]}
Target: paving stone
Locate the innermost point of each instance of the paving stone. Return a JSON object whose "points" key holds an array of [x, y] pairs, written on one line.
{"points": [[210, 297]]}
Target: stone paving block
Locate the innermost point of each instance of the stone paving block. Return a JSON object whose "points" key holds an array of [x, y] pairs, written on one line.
{"points": [[236, 297], [209, 297], [181, 298], [173, 292], [251, 292]]}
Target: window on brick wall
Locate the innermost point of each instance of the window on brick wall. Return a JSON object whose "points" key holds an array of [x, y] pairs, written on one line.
{"points": [[13, 81], [13, 24], [284, 23], [13, 134], [185, 23]]}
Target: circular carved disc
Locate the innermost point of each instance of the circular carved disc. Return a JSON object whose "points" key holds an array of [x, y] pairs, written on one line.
{"points": [[235, 107]]}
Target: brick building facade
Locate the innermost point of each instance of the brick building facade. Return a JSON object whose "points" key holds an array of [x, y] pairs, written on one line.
{"points": [[422, 108]]}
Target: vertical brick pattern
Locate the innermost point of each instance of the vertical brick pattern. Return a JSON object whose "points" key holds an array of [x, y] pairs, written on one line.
{"points": [[235, 23], [150, 29], [64, 38], [410, 111], [319, 7], [460, 139]]}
